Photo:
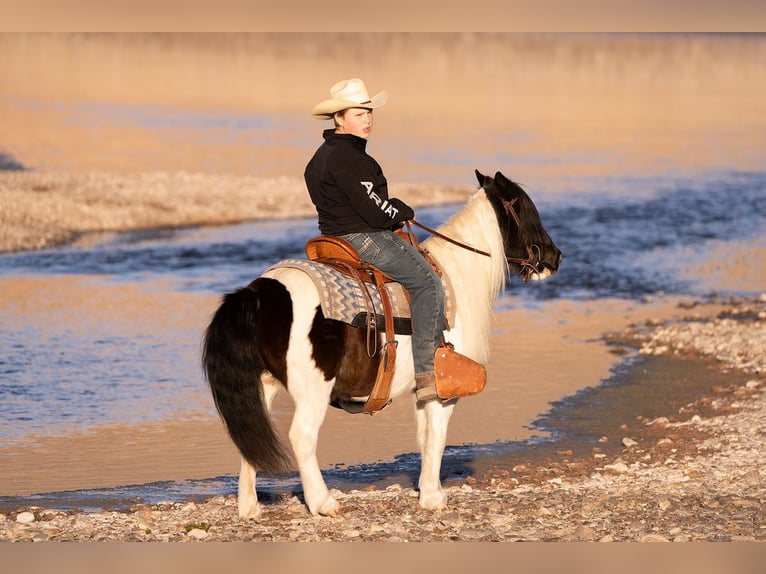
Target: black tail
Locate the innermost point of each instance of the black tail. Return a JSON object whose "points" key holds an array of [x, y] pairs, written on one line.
{"points": [[248, 335]]}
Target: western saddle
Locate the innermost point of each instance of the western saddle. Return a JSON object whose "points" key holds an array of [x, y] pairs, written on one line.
{"points": [[456, 375]]}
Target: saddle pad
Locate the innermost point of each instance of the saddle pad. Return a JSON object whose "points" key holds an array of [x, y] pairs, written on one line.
{"points": [[341, 297]]}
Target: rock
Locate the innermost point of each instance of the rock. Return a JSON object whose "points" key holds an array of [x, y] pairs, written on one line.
{"points": [[751, 478], [618, 467], [25, 517], [653, 538], [197, 534], [476, 533], [585, 533], [49, 514], [628, 442], [660, 421]]}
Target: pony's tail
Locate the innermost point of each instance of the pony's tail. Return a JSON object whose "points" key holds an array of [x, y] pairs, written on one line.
{"points": [[247, 337]]}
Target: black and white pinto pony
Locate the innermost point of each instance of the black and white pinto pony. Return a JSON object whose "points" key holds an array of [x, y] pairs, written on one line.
{"points": [[271, 336]]}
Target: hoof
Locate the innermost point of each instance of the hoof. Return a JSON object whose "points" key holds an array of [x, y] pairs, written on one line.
{"points": [[249, 511], [433, 501], [329, 507]]}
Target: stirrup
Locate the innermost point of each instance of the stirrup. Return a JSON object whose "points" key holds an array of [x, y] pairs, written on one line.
{"points": [[457, 375]]}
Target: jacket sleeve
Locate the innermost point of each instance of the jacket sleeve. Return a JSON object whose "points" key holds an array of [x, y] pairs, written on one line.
{"points": [[367, 191]]}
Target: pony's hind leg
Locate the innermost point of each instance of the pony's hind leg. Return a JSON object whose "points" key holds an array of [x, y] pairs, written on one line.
{"points": [[247, 498], [432, 420], [310, 409]]}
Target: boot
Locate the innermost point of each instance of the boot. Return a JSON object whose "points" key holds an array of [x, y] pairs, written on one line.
{"points": [[425, 388], [456, 374]]}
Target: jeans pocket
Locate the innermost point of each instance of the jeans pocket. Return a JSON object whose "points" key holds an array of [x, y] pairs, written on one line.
{"points": [[367, 248]]}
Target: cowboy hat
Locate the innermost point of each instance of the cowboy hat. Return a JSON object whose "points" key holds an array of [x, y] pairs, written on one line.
{"points": [[348, 94]]}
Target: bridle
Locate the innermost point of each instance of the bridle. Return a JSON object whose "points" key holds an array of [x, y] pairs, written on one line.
{"points": [[528, 265], [534, 253]]}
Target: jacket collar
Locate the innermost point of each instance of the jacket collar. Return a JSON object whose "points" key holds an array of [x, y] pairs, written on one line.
{"points": [[329, 135]]}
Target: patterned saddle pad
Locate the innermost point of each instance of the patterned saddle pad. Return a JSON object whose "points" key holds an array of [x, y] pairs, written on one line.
{"points": [[341, 297]]}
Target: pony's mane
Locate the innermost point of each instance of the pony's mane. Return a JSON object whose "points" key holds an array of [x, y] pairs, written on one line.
{"points": [[476, 279]]}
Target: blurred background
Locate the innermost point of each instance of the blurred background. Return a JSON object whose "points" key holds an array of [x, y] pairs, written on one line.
{"points": [[538, 105]]}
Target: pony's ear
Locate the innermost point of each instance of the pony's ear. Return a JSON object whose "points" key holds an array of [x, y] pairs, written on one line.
{"points": [[481, 177], [501, 178]]}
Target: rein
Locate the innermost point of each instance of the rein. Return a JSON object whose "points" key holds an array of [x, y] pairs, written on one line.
{"points": [[446, 238], [528, 264]]}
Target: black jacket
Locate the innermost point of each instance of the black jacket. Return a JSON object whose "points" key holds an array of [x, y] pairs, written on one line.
{"points": [[349, 190]]}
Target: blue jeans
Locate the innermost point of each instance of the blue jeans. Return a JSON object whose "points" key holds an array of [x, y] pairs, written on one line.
{"points": [[397, 258]]}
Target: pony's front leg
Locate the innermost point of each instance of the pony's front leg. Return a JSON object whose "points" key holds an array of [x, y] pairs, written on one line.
{"points": [[248, 507], [304, 433], [432, 420]]}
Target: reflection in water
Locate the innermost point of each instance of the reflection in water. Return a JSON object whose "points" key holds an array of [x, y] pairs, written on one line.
{"points": [[82, 351]]}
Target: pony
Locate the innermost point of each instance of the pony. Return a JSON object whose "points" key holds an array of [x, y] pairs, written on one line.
{"points": [[271, 336]]}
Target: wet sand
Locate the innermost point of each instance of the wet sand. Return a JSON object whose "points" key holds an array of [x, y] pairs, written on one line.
{"points": [[115, 177]]}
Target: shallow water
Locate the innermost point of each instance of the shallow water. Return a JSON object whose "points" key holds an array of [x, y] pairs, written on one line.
{"points": [[71, 364]]}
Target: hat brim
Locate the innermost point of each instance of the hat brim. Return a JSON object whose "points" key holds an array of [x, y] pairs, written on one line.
{"points": [[326, 109]]}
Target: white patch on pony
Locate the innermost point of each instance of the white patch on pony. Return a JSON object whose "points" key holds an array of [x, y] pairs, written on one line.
{"points": [[541, 276]]}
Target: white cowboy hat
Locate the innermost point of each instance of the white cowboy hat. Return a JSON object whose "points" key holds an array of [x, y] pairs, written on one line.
{"points": [[348, 94]]}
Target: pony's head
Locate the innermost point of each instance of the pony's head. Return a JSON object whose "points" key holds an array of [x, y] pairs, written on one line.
{"points": [[530, 251]]}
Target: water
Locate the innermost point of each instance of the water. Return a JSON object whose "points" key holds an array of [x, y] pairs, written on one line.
{"points": [[624, 245], [56, 376]]}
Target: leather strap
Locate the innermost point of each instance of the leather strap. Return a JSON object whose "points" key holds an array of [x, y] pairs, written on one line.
{"points": [[410, 236], [449, 239], [381, 391], [372, 325]]}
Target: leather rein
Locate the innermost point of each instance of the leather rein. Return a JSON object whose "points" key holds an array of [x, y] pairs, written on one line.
{"points": [[528, 265]]}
